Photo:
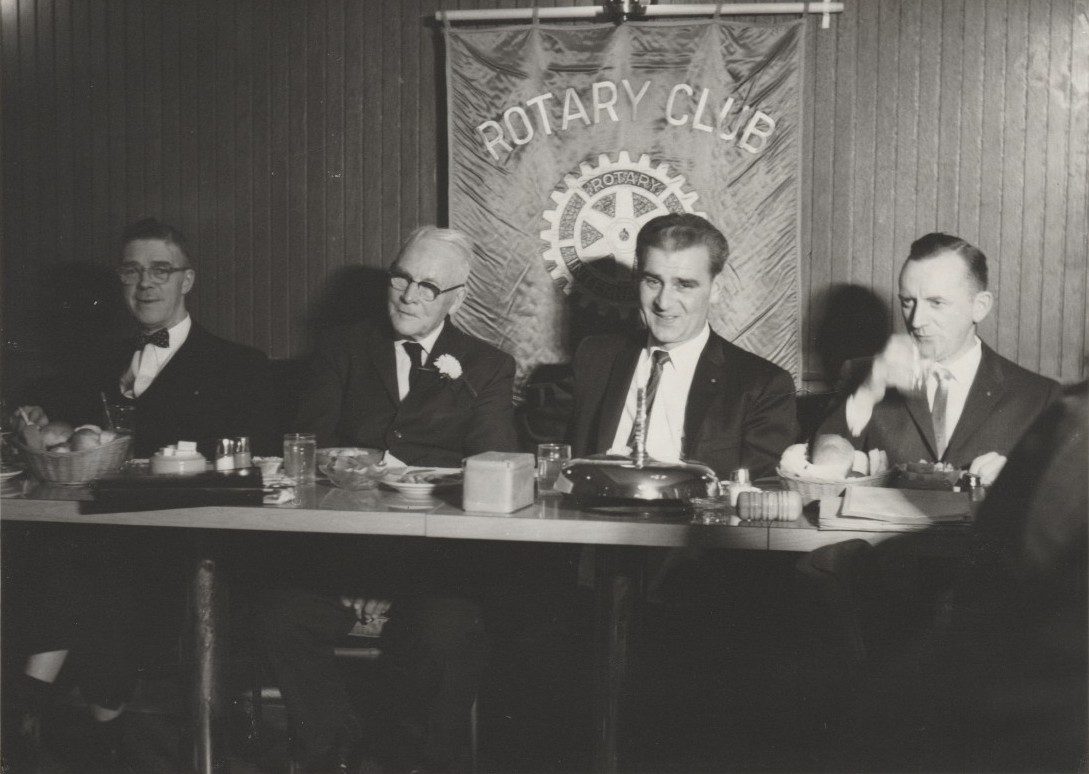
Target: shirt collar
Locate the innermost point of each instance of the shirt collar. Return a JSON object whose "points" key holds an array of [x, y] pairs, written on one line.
{"points": [[687, 353], [428, 341], [963, 368]]}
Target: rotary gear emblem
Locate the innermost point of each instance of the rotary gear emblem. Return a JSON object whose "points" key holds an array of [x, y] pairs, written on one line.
{"points": [[590, 241]]}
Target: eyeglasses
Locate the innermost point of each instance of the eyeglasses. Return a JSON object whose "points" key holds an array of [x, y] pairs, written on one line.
{"points": [[428, 291], [157, 273]]}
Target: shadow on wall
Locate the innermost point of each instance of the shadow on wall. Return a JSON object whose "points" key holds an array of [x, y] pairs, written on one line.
{"points": [[77, 315], [855, 324], [350, 294]]}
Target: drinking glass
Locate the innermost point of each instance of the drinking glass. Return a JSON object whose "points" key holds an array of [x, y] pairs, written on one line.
{"points": [[300, 457], [121, 417], [551, 457]]}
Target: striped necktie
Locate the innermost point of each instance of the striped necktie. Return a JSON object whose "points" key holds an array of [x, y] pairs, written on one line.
{"points": [[938, 410], [659, 358]]}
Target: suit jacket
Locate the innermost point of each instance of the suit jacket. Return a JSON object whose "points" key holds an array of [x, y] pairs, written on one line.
{"points": [[211, 388], [740, 410], [350, 398], [1003, 401]]}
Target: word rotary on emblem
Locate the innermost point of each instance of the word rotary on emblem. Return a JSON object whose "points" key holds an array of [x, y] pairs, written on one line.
{"points": [[590, 240]]}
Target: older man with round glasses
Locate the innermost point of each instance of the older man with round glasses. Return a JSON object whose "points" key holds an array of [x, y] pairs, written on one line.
{"points": [[427, 394]]}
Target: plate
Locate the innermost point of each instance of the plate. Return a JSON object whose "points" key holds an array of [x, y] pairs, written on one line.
{"points": [[434, 479]]}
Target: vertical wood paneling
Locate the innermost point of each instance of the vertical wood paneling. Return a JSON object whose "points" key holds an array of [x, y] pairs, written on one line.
{"points": [[1075, 270], [291, 139]]}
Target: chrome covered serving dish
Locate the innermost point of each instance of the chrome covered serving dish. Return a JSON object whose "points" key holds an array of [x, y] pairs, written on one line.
{"points": [[615, 482], [636, 483]]}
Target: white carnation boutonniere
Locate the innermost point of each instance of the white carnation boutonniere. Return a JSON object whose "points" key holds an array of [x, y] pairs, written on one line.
{"points": [[449, 368]]}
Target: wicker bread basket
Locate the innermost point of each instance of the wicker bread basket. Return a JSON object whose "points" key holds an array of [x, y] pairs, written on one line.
{"points": [[77, 467], [814, 488]]}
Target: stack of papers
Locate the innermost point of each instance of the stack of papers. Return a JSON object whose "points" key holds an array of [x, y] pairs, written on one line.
{"points": [[877, 509]]}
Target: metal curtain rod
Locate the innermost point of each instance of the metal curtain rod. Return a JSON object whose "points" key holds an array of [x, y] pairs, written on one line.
{"points": [[640, 11]]}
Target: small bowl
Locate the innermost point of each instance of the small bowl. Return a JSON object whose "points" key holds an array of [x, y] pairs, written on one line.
{"points": [[270, 466], [326, 456], [354, 473], [418, 483]]}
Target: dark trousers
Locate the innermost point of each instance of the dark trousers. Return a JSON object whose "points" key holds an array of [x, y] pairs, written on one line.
{"points": [[108, 597], [436, 647]]}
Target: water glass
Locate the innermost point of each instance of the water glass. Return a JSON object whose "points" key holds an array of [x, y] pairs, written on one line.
{"points": [[300, 457], [121, 417], [551, 457]]}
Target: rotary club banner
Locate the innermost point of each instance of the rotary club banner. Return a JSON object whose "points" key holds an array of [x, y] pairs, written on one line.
{"points": [[564, 140]]}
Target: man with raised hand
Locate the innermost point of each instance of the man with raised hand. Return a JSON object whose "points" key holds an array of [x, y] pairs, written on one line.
{"points": [[938, 393]]}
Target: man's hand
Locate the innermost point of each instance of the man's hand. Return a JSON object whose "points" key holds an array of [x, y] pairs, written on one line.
{"points": [[28, 415], [367, 609], [987, 467], [898, 366]]}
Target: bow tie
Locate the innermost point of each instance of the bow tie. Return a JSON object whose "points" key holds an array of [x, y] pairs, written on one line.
{"points": [[160, 338]]}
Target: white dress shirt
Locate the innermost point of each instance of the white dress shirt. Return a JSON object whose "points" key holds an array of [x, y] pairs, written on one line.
{"points": [[963, 370], [149, 361], [665, 430]]}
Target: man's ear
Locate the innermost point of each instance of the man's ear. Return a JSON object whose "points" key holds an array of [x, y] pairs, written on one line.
{"points": [[981, 306], [460, 296]]}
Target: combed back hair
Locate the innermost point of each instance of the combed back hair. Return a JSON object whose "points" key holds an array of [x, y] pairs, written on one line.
{"points": [[933, 245], [680, 230], [150, 228], [459, 240]]}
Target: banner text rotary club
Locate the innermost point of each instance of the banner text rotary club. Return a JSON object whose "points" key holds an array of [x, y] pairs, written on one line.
{"points": [[686, 107]]}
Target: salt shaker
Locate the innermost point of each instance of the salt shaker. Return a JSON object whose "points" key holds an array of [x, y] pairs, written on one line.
{"points": [[225, 454], [740, 483], [242, 456]]}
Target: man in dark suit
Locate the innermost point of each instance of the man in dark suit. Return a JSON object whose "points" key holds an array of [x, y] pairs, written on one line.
{"points": [[999, 679], [714, 402], [185, 384], [427, 394], [940, 394]]}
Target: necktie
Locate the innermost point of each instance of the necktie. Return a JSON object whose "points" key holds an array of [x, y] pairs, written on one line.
{"points": [[659, 358], [160, 338], [414, 350], [938, 410]]}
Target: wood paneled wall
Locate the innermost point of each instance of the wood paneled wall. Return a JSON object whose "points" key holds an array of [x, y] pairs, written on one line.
{"points": [[292, 139]]}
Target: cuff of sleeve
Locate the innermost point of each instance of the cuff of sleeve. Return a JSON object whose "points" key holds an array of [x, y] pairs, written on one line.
{"points": [[859, 409]]}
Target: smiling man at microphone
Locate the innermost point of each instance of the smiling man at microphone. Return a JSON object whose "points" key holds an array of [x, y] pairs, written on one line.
{"points": [[707, 400]]}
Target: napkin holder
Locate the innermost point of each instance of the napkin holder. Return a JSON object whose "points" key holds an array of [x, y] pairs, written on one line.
{"points": [[498, 482], [143, 491]]}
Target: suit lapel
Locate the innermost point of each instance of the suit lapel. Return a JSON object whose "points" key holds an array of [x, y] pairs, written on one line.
{"points": [[385, 363], [919, 411], [706, 385], [986, 390], [180, 364], [616, 393]]}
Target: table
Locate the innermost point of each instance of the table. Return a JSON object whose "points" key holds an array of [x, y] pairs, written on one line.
{"points": [[324, 509]]}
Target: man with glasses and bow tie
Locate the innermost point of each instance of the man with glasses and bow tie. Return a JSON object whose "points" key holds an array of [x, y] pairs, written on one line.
{"points": [[939, 394], [707, 399], [427, 394], [185, 383], [97, 594]]}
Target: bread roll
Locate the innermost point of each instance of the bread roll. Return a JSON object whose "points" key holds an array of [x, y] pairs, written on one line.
{"points": [[834, 452]]}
